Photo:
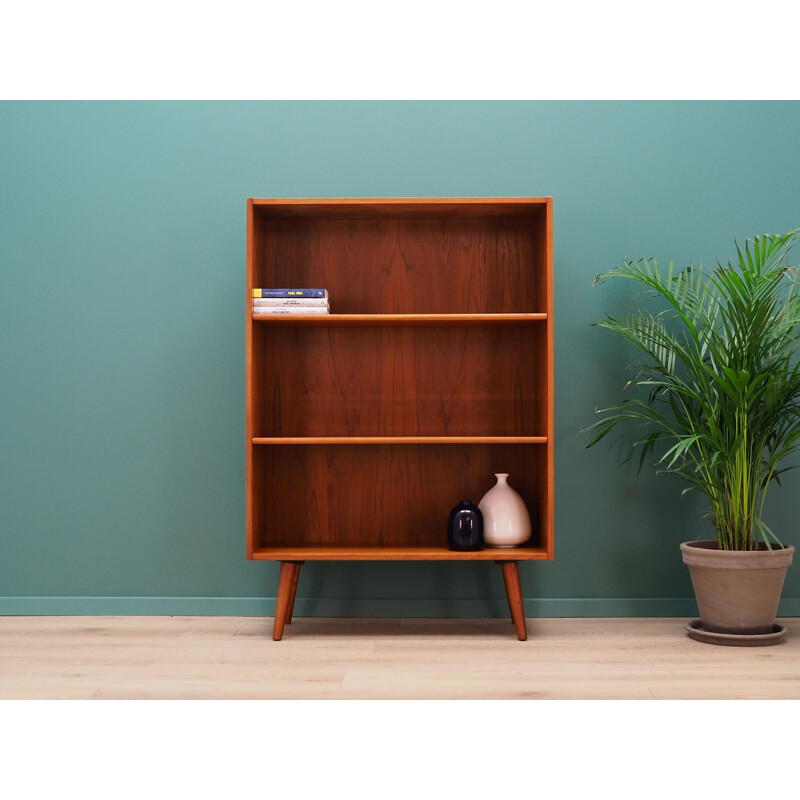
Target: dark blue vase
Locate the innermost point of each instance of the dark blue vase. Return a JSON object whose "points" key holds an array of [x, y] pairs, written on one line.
{"points": [[465, 527]]}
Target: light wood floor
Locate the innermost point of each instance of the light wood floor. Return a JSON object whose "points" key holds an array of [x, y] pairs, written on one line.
{"points": [[235, 658]]}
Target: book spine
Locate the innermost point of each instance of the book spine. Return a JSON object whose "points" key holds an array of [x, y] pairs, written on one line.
{"points": [[290, 301], [290, 292], [264, 310]]}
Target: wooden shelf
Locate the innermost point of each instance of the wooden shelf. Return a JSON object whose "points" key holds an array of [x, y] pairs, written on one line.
{"points": [[381, 553], [400, 440], [399, 319], [400, 208]]}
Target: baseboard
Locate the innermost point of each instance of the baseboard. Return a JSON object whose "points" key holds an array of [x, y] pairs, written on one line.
{"points": [[360, 607]]}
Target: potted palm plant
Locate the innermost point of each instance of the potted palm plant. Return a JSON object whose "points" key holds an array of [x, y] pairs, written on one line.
{"points": [[719, 406]]}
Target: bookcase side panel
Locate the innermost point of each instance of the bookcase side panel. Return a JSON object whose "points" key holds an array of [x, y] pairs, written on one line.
{"points": [[549, 380], [251, 369]]}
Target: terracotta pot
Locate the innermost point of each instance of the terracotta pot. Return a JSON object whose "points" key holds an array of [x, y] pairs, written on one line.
{"points": [[737, 591]]}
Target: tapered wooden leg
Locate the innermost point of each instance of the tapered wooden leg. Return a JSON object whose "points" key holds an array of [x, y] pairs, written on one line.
{"points": [[290, 610], [514, 594], [282, 607]]}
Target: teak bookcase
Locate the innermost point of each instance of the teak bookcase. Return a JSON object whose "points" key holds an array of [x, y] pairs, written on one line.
{"points": [[433, 372]]}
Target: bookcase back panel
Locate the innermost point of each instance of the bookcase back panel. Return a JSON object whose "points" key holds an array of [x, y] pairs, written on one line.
{"points": [[401, 381], [440, 264], [392, 495]]}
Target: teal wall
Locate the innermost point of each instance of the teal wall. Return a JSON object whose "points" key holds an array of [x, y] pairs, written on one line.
{"points": [[122, 275]]}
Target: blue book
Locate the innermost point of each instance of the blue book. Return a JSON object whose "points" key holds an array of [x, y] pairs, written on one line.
{"points": [[290, 292]]}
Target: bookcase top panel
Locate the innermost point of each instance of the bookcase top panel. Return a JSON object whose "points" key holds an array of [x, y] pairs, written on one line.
{"points": [[399, 208]]}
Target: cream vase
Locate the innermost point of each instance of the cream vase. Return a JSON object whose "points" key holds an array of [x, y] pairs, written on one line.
{"points": [[506, 522]]}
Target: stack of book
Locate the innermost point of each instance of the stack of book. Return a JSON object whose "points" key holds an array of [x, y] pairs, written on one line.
{"points": [[290, 301]]}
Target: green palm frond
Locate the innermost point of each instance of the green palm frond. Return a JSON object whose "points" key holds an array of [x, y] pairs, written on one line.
{"points": [[719, 366]]}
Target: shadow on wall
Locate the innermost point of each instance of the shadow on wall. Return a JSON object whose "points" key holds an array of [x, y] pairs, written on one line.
{"points": [[658, 519], [396, 589]]}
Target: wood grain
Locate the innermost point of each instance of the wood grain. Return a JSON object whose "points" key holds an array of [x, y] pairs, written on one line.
{"points": [[546, 378], [433, 265], [403, 381], [371, 320], [250, 381], [514, 595], [180, 657], [399, 208], [433, 372], [287, 582], [303, 440], [307, 552], [386, 495], [293, 593]]}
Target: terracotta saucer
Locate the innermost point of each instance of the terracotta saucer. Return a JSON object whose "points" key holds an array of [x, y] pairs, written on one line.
{"points": [[695, 630]]}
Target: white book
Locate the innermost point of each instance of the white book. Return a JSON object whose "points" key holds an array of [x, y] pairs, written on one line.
{"points": [[264, 310], [290, 301], [290, 292]]}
